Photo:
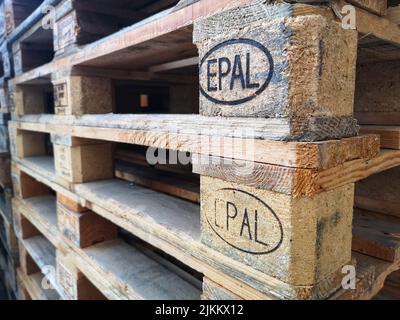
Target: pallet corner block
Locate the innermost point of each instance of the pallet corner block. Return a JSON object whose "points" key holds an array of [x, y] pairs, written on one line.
{"points": [[261, 60], [303, 242], [81, 160], [76, 93], [83, 227]]}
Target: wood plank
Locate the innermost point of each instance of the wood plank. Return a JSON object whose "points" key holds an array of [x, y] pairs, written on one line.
{"points": [[376, 235], [159, 181], [121, 43], [153, 131], [377, 93], [163, 24], [99, 200], [380, 193], [115, 265], [389, 135], [182, 246]]}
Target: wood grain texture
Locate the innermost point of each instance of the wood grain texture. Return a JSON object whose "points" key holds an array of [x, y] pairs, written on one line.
{"points": [[269, 231], [376, 92], [320, 155], [376, 235], [118, 215], [298, 89], [214, 291], [181, 243], [134, 278], [167, 26], [389, 135], [379, 193]]}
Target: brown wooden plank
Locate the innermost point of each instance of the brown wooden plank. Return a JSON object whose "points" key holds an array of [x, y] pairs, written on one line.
{"points": [[389, 135], [376, 235]]}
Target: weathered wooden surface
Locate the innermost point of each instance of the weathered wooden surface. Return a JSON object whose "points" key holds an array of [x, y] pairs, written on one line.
{"points": [[380, 192], [73, 284], [376, 235], [83, 163], [135, 277], [214, 291], [84, 228], [319, 155], [377, 92], [270, 232], [263, 77], [389, 135], [78, 95]]}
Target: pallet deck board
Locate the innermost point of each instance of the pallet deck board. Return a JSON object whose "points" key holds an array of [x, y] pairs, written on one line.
{"points": [[127, 270], [318, 155], [145, 278]]}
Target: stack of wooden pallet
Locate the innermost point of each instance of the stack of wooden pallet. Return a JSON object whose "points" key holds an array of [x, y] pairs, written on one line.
{"points": [[130, 184]]}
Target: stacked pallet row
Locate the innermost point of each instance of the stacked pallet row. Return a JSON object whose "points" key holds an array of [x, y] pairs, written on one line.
{"points": [[376, 198], [264, 209], [8, 241]]}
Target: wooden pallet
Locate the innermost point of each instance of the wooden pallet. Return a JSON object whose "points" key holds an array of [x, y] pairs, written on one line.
{"points": [[86, 263], [76, 156]]}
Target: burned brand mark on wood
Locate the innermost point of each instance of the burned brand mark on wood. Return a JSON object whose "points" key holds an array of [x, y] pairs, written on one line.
{"points": [[250, 226], [235, 71]]}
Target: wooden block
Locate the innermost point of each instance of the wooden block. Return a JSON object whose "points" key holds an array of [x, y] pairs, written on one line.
{"points": [[84, 229], [301, 241], [29, 144], [380, 192], [375, 6], [377, 93], [26, 187], [23, 227], [83, 163], [30, 99], [79, 23], [376, 235], [214, 291], [73, 284], [389, 135], [69, 203], [263, 76], [76, 94]]}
